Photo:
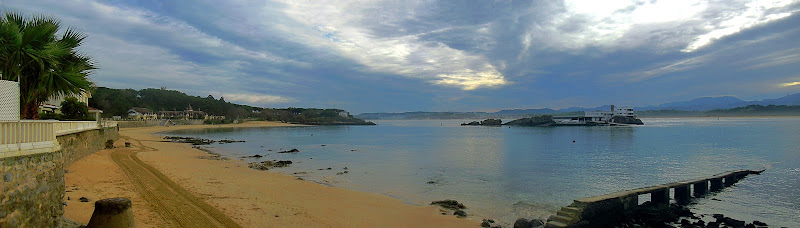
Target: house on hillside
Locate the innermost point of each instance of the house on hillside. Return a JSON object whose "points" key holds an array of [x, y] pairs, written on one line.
{"points": [[189, 113], [141, 114]]}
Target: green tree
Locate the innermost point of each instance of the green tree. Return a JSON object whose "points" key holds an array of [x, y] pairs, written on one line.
{"points": [[45, 64], [71, 108]]}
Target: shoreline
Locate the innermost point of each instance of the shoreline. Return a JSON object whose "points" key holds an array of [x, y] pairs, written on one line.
{"points": [[251, 198]]}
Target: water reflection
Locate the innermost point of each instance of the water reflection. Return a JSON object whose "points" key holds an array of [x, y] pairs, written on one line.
{"points": [[513, 172]]}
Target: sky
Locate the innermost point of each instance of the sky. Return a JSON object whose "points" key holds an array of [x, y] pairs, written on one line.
{"points": [[396, 56]]}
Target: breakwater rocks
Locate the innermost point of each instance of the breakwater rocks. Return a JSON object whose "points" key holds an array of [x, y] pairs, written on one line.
{"points": [[198, 141]]}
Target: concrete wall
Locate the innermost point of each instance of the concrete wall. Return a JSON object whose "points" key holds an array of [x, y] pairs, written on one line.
{"points": [[33, 185]]}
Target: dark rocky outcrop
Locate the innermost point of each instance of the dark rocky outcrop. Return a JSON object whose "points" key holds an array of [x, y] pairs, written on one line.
{"points": [[662, 215], [196, 141], [266, 165], [289, 151], [525, 223], [460, 213], [522, 223], [473, 123], [492, 122], [486, 122], [543, 120], [449, 204], [626, 120]]}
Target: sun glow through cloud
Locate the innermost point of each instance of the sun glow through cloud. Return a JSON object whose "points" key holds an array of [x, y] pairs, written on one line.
{"points": [[789, 84]]}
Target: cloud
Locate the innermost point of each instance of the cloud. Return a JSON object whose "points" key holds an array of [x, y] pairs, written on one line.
{"points": [[669, 67], [137, 48], [340, 27], [778, 58], [413, 54], [621, 24]]}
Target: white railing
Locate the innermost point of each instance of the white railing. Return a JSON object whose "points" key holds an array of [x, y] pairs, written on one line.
{"points": [[108, 123], [69, 127], [18, 138], [25, 137]]}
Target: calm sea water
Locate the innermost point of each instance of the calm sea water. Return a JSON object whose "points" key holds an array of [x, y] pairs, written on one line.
{"points": [[506, 173]]}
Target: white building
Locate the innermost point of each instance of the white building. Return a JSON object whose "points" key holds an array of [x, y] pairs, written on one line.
{"points": [[53, 104], [597, 117]]}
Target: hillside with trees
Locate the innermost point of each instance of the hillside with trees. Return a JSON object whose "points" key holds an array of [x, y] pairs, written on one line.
{"points": [[117, 102]]}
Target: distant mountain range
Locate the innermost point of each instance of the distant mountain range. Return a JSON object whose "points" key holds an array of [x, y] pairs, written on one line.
{"points": [[726, 102], [696, 105]]}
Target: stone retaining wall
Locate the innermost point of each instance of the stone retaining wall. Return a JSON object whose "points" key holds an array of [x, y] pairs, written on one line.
{"points": [[79, 145], [33, 185], [32, 190]]}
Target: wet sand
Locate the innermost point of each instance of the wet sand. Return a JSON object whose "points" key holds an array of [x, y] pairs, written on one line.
{"points": [[250, 198]]}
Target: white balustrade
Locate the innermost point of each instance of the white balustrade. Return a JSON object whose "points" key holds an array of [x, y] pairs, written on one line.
{"points": [[18, 138]]}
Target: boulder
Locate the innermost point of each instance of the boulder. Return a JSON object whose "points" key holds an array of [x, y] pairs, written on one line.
{"points": [[460, 213], [522, 223], [536, 223]]}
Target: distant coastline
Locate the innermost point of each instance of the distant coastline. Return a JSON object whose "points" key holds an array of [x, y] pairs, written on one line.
{"points": [[747, 111]]}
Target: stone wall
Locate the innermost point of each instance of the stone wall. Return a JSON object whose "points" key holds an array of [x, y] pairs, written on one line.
{"points": [[33, 185], [79, 145]]}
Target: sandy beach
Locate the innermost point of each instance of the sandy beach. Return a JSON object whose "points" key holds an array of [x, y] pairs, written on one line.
{"points": [[165, 179]]}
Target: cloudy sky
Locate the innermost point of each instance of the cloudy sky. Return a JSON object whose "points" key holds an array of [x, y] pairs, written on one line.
{"points": [[392, 56]]}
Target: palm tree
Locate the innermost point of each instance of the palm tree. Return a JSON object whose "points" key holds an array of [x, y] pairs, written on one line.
{"points": [[44, 64]]}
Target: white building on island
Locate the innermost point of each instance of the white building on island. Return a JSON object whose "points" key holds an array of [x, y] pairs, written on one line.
{"points": [[595, 117]]}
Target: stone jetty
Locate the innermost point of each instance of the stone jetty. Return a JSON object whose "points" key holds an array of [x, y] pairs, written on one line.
{"points": [[607, 208]]}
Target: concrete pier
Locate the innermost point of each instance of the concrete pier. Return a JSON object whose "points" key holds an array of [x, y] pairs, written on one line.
{"points": [[700, 188], [729, 180], [599, 210], [716, 184], [660, 196], [682, 194]]}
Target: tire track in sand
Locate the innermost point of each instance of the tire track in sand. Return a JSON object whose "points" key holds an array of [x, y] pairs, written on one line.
{"points": [[177, 206]]}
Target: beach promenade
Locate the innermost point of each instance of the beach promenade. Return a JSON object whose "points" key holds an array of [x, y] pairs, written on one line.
{"points": [[172, 184]]}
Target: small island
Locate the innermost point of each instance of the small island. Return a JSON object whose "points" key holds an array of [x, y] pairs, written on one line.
{"points": [[614, 117], [487, 122]]}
